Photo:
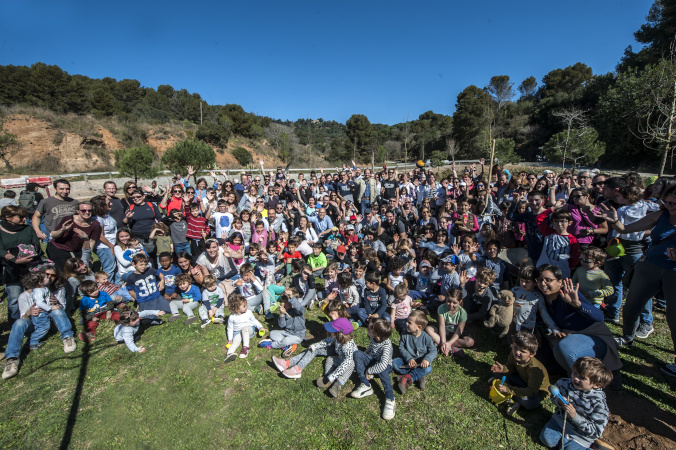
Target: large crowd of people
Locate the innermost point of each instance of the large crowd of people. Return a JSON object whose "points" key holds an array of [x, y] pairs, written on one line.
{"points": [[410, 252]]}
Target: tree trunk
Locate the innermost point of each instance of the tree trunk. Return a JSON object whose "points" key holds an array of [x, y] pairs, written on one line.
{"points": [[7, 163], [667, 144]]}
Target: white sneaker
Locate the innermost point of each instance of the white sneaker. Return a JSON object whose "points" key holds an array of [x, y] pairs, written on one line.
{"points": [[69, 345], [362, 391], [388, 409], [218, 319], [11, 368]]}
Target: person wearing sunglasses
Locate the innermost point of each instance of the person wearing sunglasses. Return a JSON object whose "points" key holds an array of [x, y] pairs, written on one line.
{"points": [[75, 236], [140, 218]]}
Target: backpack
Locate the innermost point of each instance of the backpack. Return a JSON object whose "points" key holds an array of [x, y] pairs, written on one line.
{"points": [[27, 200]]}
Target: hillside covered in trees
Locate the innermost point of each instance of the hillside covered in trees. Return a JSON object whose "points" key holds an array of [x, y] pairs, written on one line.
{"points": [[619, 119]]}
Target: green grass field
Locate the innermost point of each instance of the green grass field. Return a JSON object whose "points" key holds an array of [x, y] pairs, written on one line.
{"points": [[180, 395]]}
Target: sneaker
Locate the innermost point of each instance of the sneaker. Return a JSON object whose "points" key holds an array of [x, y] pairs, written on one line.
{"points": [[230, 357], [265, 343], [218, 319], [288, 350], [293, 372], [190, 320], [323, 382], [355, 325], [669, 370], [455, 351], [258, 309], [174, 318], [244, 352], [362, 391], [623, 342], [614, 319], [404, 381], [269, 316], [11, 368], [422, 383], [69, 345], [511, 409], [205, 322], [335, 388], [280, 364], [311, 306], [388, 409], [644, 330], [86, 337], [156, 322]]}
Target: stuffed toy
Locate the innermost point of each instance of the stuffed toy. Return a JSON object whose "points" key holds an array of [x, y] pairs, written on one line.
{"points": [[501, 315]]}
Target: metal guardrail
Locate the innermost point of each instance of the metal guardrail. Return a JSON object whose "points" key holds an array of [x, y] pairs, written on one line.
{"points": [[230, 172]]}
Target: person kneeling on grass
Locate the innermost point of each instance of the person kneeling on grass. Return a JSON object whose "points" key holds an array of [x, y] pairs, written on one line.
{"points": [[95, 306], [189, 299], [418, 350], [130, 322], [241, 327], [213, 300], [292, 323], [376, 361], [526, 377], [452, 319], [587, 410], [338, 348]]}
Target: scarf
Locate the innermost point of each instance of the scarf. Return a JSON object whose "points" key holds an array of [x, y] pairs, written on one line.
{"points": [[11, 227]]}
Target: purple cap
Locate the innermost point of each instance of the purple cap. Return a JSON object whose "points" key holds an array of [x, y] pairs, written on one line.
{"points": [[340, 325]]}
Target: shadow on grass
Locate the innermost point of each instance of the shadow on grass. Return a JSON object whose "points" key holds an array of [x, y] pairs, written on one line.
{"points": [[75, 405]]}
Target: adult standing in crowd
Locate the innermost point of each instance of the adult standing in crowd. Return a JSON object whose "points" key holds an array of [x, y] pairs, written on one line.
{"points": [[140, 218], [105, 249], [75, 236], [116, 210], [53, 209], [367, 191]]}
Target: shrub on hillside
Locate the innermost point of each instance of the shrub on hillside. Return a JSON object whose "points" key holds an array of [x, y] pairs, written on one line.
{"points": [[243, 156], [213, 133]]}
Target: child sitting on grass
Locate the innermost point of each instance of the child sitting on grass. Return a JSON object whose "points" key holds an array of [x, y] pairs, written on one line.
{"points": [[338, 348], [241, 327], [374, 301], [292, 323], [594, 283], [417, 351], [130, 322], [213, 299], [118, 294], [452, 319], [526, 378], [401, 308], [189, 299], [479, 295], [376, 361], [317, 259], [528, 301], [587, 409], [95, 306], [149, 283], [347, 293], [169, 272]]}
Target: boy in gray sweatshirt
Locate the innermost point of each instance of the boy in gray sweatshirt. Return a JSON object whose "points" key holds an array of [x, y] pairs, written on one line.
{"points": [[587, 409], [417, 350], [292, 323]]}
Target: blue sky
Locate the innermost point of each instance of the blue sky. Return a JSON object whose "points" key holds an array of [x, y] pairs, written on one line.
{"points": [[390, 61]]}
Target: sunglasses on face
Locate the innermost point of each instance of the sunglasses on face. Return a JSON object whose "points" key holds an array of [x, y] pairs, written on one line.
{"points": [[599, 183], [85, 211], [177, 191], [586, 261], [136, 197], [131, 187]]}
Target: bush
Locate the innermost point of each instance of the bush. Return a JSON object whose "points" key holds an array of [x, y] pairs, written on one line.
{"points": [[136, 162], [189, 152], [243, 156], [213, 133]]}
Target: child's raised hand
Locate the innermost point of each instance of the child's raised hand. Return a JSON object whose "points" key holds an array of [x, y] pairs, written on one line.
{"points": [[463, 278], [474, 248], [497, 367], [455, 248]]}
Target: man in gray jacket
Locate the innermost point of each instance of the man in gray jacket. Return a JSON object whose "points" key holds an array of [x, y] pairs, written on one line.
{"points": [[367, 190]]}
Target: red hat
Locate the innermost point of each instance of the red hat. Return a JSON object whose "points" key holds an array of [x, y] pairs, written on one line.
{"points": [[341, 249], [353, 217]]}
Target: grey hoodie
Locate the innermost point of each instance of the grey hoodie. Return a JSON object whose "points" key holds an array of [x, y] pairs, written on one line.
{"points": [[592, 412], [294, 320]]}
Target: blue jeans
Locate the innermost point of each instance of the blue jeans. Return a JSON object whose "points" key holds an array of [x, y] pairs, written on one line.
{"points": [[184, 247], [362, 362], [13, 291], [551, 436], [615, 269], [363, 315], [575, 346], [401, 367], [42, 324], [529, 403], [108, 264], [20, 329]]}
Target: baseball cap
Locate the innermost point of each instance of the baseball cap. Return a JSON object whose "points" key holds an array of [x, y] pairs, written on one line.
{"points": [[353, 217], [453, 259], [340, 325], [547, 172], [462, 183], [367, 211], [425, 263], [341, 249], [350, 227]]}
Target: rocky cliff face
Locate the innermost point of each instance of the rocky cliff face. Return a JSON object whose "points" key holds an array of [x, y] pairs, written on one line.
{"points": [[48, 150]]}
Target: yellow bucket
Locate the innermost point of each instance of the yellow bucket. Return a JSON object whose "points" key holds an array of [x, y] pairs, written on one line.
{"points": [[496, 396]]}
